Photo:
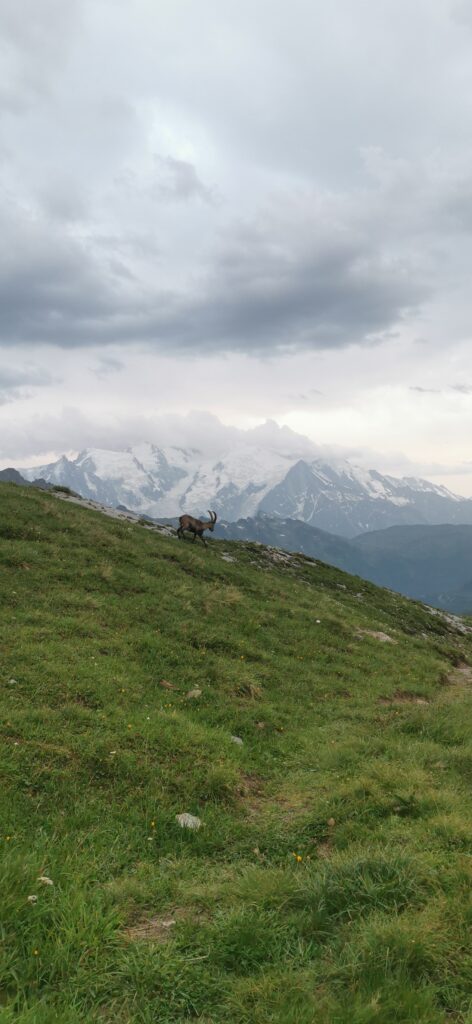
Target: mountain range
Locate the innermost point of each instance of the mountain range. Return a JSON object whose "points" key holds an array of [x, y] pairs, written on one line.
{"points": [[272, 472], [430, 563]]}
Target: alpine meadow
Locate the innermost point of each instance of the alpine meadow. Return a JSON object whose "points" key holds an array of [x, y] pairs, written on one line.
{"points": [[312, 728]]}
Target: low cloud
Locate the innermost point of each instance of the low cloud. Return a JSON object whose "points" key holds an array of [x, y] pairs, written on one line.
{"points": [[106, 366], [279, 283], [303, 398], [21, 382], [198, 430], [178, 180], [35, 43], [425, 391]]}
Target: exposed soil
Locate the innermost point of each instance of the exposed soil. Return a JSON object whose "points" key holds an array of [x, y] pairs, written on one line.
{"points": [[403, 697], [159, 928]]}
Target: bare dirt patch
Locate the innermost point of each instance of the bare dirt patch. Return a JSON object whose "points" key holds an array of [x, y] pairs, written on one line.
{"points": [[286, 806], [457, 682], [292, 806], [251, 792], [160, 927], [403, 697], [324, 850], [462, 674]]}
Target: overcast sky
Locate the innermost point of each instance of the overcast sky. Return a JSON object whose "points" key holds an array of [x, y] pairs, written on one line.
{"points": [[260, 209]]}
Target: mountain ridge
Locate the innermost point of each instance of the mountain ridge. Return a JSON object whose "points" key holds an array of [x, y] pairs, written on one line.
{"points": [[432, 564], [315, 728], [252, 478]]}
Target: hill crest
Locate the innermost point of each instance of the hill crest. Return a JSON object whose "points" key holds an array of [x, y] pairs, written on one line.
{"points": [[314, 724]]}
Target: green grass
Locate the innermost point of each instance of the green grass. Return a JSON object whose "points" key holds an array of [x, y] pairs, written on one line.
{"points": [[356, 759]]}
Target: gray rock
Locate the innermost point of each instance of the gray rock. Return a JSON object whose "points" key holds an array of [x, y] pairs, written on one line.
{"points": [[188, 821]]}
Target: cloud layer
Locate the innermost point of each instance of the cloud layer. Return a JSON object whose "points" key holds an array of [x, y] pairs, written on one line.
{"points": [[258, 210], [234, 183]]}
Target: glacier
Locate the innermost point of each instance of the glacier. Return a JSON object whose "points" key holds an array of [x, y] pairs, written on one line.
{"points": [[275, 473]]}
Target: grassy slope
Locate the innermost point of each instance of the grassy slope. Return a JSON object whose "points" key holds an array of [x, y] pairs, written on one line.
{"points": [[370, 925]]}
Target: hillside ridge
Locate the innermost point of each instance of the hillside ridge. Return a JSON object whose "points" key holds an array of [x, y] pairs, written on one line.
{"points": [[315, 725], [264, 476]]}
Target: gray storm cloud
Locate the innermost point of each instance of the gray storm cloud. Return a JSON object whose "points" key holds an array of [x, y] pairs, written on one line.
{"points": [[18, 382], [268, 285], [257, 209], [248, 155]]}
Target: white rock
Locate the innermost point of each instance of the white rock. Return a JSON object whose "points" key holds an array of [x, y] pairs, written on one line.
{"points": [[32, 899], [384, 638], [188, 821], [238, 740]]}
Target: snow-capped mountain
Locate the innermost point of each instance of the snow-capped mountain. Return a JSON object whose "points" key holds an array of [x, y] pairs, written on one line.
{"points": [[348, 500], [275, 474]]}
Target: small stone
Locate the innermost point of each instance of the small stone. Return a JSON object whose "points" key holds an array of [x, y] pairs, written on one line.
{"points": [[331, 822], [188, 821], [193, 694], [12, 682], [384, 638], [45, 880], [238, 740], [32, 899]]}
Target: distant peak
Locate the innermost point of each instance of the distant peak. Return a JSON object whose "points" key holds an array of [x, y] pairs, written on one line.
{"points": [[271, 433]]}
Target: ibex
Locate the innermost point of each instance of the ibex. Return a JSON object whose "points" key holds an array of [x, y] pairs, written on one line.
{"points": [[196, 526]]}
